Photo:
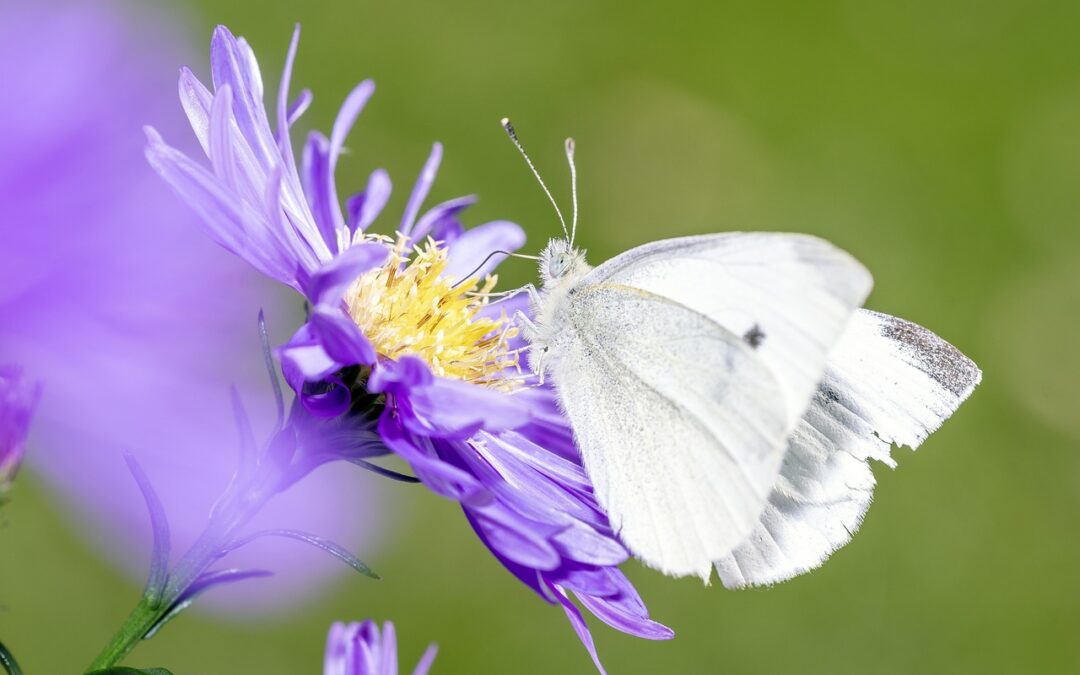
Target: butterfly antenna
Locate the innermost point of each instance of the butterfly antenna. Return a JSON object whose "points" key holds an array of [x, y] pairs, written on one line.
{"points": [[573, 185], [489, 257], [509, 128]]}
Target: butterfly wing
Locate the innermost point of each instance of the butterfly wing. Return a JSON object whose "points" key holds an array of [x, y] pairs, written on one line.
{"points": [[790, 294], [888, 382], [676, 418]]}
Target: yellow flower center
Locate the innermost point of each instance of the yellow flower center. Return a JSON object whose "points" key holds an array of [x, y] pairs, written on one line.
{"points": [[406, 307]]}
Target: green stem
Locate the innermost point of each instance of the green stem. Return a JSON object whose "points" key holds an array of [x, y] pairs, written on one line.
{"points": [[133, 630], [219, 532], [7, 660]]}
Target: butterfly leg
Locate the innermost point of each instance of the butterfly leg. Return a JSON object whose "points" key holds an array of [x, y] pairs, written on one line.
{"points": [[532, 334]]}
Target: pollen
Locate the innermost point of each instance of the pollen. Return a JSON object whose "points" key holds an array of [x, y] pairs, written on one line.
{"points": [[406, 307]]}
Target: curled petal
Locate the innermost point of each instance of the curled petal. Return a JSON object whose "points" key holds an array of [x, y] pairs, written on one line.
{"points": [[303, 359], [340, 337]]}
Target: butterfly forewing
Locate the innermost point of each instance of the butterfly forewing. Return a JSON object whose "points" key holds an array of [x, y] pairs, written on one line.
{"points": [[789, 295], [681, 425]]}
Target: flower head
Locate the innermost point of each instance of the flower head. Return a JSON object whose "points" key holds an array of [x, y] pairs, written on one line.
{"points": [[364, 649], [400, 330], [17, 402]]}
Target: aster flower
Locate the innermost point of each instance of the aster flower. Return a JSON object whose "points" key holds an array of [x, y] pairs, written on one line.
{"points": [[17, 402], [133, 322], [401, 330], [362, 649]]}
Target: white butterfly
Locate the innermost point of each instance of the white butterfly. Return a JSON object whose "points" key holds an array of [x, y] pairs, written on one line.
{"points": [[726, 393]]}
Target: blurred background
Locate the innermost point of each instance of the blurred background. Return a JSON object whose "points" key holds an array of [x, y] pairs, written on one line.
{"points": [[937, 142]]}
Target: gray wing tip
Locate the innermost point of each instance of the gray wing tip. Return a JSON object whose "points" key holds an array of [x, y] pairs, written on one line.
{"points": [[935, 356]]}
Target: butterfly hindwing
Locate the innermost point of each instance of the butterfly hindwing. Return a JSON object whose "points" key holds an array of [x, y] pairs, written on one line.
{"points": [[888, 382]]}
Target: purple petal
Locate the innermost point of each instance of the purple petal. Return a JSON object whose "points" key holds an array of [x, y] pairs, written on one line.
{"points": [[421, 189], [232, 223], [340, 337], [232, 67], [424, 665], [304, 359], [283, 142], [329, 283], [455, 409], [578, 623], [327, 398], [447, 231], [440, 477], [400, 376], [584, 579], [389, 663], [476, 244], [441, 213], [320, 163], [299, 106], [346, 117], [318, 180], [520, 541], [195, 98], [584, 544], [614, 616], [364, 207]]}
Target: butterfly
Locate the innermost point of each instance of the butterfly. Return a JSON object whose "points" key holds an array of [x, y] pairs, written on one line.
{"points": [[728, 391]]}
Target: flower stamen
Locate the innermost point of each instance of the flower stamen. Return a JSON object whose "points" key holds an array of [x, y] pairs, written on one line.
{"points": [[407, 307]]}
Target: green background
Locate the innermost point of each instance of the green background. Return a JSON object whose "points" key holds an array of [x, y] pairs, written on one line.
{"points": [[938, 142]]}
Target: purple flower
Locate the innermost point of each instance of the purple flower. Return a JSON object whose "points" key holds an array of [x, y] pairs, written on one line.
{"points": [[401, 329], [362, 649], [133, 322], [18, 399]]}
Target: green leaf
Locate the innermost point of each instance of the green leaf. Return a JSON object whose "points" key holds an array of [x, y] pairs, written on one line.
{"points": [[124, 670]]}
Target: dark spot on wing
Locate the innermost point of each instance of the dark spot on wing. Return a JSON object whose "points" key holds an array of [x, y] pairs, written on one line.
{"points": [[932, 355], [755, 336], [828, 394]]}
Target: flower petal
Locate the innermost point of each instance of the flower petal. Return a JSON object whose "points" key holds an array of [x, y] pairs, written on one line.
{"points": [[612, 614], [330, 282], [578, 623], [340, 337], [421, 189], [232, 67], [476, 244], [441, 213], [424, 665], [318, 180], [195, 98], [364, 207]]}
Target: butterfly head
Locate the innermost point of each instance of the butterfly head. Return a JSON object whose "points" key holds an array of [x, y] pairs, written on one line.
{"points": [[560, 261]]}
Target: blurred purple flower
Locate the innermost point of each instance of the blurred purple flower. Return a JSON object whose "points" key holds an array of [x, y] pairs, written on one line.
{"points": [[406, 327], [361, 649], [18, 399], [130, 319]]}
